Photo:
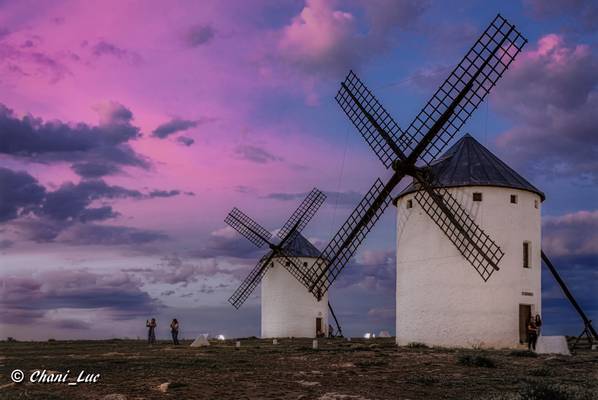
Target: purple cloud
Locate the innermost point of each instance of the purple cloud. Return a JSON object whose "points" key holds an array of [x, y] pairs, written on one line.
{"points": [[32, 139], [29, 299], [173, 126], [199, 35], [551, 96], [255, 154]]}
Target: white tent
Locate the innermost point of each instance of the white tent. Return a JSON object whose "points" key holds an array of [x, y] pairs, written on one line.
{"points": [[552, 345], [384, 334], [201, 341]]}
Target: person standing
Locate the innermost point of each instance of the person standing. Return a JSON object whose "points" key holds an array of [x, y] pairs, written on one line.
{"points": [[532, 334], [174, 331], [151, 333], [538, 324]]}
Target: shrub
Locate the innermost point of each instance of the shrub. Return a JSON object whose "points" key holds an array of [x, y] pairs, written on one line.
{"points": [[542, 371], [523, 353], [417, 345], [542, 391], [476, 360]]}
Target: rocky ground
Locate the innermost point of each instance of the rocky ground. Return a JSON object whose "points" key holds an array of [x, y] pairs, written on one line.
{"points": [[339, 369]]}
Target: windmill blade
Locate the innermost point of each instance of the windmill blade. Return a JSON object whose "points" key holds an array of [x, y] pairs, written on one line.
{"points": [[371, 119], [303, 214], [247, 227], [464, 89], [251, 281], [343, 245], [587, 322], [471, 241]]}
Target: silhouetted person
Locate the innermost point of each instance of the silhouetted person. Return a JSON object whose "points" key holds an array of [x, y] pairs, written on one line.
{"points": [[532, 334], [151, 332], [330, 331], [538, 323], [174, 331]]}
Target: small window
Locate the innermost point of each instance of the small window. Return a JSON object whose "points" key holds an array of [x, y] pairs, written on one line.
{"points": [[477, 196], [536, 204], [286, 264], [409, 203], [513, 199], [305, 264], [526, 255]]}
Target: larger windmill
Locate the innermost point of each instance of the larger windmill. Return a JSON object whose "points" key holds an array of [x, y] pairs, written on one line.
{"points": [[440, 302], [287, 309], [410, 153]]}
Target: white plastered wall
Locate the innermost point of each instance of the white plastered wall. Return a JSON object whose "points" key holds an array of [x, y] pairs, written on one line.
{"points": [[288, 308], [441, 299]]}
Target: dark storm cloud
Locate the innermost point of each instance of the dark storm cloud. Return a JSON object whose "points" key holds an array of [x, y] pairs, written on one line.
{"points": [[199, 35], [173, 126], [52, 141], [551, 96], [348, 199], [255, 154], [72, 201], [63, 215], [29, 299], [184, 140], [72, 324], [19, 194], [103, 48], [94, 169], [164, 193]]}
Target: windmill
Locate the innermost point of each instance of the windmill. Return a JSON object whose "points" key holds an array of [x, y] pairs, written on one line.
{"points": [[415, 152], [404, 151], [288, 310]]}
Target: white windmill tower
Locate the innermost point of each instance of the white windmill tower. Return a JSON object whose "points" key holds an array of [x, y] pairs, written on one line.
{"points": [[288, 309], [439, 301]]}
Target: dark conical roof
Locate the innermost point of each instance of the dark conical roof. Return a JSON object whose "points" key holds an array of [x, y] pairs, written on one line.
{"points": [[299, 246], [468, 163]]}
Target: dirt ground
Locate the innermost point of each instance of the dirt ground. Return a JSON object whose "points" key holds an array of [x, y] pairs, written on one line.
{"points": [[338, 370]]}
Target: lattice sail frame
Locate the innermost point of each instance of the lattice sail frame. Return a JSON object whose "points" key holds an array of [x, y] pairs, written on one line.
{"points": [[250, 282], [247, 227], [472, 242], [337, 254], [304, 213], [425, 138], [371, 119], [482, 66]]}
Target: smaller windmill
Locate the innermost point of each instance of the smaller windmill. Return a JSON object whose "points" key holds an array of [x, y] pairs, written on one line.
{"points": [[288, 309]]}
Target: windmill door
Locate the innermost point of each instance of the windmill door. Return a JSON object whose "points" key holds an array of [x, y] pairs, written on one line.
{"points": [[525, 312], [319, 327]]}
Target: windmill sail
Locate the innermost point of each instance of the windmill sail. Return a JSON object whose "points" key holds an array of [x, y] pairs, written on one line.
{"points": [[425, 138], [251, 281], [247, 227]]}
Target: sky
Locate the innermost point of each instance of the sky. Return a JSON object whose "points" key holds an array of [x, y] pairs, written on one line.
{"points": [[129, 129]]}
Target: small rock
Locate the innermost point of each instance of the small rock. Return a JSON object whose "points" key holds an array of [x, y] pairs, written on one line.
{"points": [[308, 383], [114, 396], [164, 387]]}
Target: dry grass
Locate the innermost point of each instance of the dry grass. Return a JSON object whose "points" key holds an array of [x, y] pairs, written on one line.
{"points": [[293, 370]]}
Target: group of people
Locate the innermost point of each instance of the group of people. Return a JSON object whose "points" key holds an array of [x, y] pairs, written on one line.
{"points": [[533, 331], [151, 333]]}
